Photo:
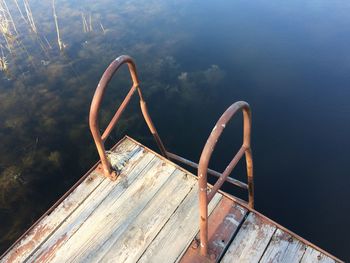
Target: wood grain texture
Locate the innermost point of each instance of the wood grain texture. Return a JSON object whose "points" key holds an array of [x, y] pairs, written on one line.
{"points": [[173, 239], [51, 222], [283, 248], [113, 216], [132, 243], [250, 241], [223, 223], [313, 256], [71, 224], [150, 214]]}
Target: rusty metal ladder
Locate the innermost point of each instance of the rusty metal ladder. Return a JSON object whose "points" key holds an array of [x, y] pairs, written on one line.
{"points": [[205, 193]]}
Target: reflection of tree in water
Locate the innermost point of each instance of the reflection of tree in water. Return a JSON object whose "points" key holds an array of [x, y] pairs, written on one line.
{"points": [[45, 141]]}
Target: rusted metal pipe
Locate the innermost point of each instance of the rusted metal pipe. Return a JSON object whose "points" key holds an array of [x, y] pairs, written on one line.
{"points": [[225, 174], [230, 180], [117, 115], [96, 103], [151, 127], [204, 196]]}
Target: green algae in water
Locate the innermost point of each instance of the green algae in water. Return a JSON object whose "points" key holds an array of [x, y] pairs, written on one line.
{"points": [[46, 93]]}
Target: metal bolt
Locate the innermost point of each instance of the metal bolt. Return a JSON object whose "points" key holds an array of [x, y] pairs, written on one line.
{"points": [[212, 256], [195, 245]]}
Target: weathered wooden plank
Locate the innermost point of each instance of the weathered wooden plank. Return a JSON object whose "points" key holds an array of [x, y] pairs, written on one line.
{"points": [[314, 256], [250, 241], [223, 223], [283, 248], [114, 215], [178, 232], [72, 223], [50, 222], [132, 243], [149, 214]]}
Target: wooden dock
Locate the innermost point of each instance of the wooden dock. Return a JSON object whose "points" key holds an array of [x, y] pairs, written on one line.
{"points": [[150, 214]]}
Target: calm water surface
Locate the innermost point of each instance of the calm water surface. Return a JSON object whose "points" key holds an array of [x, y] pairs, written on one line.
{"points": [[289, 59]]}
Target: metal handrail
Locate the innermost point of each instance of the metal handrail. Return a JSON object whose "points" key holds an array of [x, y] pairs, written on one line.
{"points": [[96, 103], [205, 194]]}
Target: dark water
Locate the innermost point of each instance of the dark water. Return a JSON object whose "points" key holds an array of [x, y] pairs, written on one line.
{"points": [[289, 59]]}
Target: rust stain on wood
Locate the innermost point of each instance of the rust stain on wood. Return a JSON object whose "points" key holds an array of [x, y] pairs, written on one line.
{"points": [[223, 223], [51, 250], [248, 241], [41, 231]]}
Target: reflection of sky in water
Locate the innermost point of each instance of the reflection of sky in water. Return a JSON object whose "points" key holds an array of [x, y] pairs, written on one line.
{"points": [[290, 61]]}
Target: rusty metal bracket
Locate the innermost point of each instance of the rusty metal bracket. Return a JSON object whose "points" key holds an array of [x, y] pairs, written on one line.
{"points": [[96, 103], [205, 194]]}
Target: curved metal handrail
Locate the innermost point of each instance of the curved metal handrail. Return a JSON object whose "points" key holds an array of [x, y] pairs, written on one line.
{"points": [[206, 196], [96, 103]]}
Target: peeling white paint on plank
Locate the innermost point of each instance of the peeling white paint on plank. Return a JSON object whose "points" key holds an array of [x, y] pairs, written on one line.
{"points": [[283, 248], [251, 240], [149, 213], [113, 216], [178, 232], [132, 243], [50, 222], [105, 190], [313, 256], [223, 223]]}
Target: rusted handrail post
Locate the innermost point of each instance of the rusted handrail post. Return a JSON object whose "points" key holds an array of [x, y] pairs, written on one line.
{"points": [[96, 103], [205, 196]]}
